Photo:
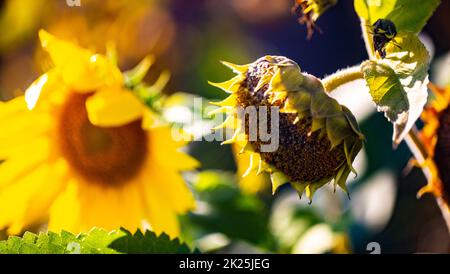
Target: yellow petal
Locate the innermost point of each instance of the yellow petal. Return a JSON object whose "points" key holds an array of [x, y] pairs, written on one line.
{"points": [[230, 86], [14, 199], [240, 69], [12, 108], [238, 137], [161, 215], [220, 110], [113, 108], [151, 120], [231, 122], [164, 151], [39, 203], [34, 91], [79, 68], [252, 183], [111, 207], [100, 206], [132, 206], [253, 164], [21, 129], [170, 184], [230, 101], [47, 89], [61, 51], [24, 125], [65, 211], [24, 160], [263, 166]]}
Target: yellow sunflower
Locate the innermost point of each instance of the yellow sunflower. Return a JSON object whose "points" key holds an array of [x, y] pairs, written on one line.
{"points": [[435, 137], [318, 138], [82, 150]]}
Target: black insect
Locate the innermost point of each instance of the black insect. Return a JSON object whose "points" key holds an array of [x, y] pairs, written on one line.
{"points": [[383, 32]]}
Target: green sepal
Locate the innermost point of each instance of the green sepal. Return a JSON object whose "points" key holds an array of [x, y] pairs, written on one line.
{"points": [[313, 187], [135, 76], [341, 179], [317, 124], [278, 179], [299, 187], [323, 106], [287, 78], [338, 130]]}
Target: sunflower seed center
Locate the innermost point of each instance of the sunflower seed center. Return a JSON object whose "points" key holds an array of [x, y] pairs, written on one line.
{"points": [[108, 156], [302, 156]]}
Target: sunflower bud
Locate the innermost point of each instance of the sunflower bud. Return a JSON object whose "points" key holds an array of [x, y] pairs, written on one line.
{"points": [[318, 138]]}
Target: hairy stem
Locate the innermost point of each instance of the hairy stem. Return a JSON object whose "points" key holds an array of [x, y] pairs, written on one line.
{"points": [[342, 77]]}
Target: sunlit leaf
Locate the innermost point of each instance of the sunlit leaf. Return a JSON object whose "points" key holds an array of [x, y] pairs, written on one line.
{"points": [[407, 15], [398, 83], [97, 241]]}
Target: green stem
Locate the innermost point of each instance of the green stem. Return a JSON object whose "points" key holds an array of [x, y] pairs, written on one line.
{"points": [[342, 77]]}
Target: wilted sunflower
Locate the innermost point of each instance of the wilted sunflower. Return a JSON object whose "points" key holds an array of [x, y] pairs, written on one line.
{"points": [[318, 138], [436, 139], [82, 150]]}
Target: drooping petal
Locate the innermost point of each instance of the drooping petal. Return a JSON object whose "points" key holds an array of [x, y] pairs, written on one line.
{"points": [[79, 68], [113, 108]]}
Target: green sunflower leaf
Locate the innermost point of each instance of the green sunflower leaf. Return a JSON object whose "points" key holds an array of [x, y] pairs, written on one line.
{"points": [[148, 243], [96, 241], [407, 15], [398, 83]]}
